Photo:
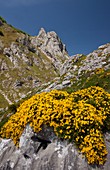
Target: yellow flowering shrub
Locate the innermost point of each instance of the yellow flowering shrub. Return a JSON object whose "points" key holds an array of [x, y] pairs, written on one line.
{"points": [[93, 146], [99, 70], [80, 116]]}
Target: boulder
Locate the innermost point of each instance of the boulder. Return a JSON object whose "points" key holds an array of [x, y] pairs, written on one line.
{"points": [[44, 151]]}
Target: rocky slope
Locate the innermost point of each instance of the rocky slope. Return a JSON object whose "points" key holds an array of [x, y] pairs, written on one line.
{"points": [[45, 151], [81, 71], [27, 62], [30, 64], [41, 63]]}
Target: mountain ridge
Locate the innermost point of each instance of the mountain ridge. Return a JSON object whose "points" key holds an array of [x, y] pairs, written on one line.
{"points": [[20, 51], [31, 64], [64, 90]]}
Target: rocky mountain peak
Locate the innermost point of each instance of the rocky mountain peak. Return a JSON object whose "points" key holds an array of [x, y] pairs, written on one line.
{"points": [[51, 45], [42, 33], [34, 64], [29, 60]]}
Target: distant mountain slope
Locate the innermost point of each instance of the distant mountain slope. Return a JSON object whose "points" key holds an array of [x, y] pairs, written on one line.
{"points": [[49, 126], [27, 62], [81, 71], [93, 69], [31, 64]]}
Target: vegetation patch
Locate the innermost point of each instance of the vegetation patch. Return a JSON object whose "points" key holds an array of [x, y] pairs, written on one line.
{"points": [[80, 117], [3, 20], [99, 77]]}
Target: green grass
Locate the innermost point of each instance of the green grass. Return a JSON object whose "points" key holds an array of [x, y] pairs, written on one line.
{"points": [[18, 30], [88, 80], [2, 19], [79, 61], [3, 101]]}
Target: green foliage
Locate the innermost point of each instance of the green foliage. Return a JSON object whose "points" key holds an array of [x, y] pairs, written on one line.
{"points": [[3, 122], [3, 20], [12, 108], [18, 30], [99, 78]]}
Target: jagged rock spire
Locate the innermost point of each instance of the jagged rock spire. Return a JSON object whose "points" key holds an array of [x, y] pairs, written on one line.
{"points": [[51, 45], [42, 33]]}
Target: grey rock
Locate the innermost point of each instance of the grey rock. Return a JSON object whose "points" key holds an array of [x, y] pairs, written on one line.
{"points": [[15, 54], [18, 83], [51, 45], [66, 82], [3, 65], [103, 46], [59, 86], [42, 33], [77, 65], [36, 82], [57, 155]]}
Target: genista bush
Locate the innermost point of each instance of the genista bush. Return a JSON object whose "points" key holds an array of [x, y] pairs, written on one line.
{"points": [[80, 117]]}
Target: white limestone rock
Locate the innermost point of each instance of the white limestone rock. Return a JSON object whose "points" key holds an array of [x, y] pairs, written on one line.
{"points": [[57, 155], [50, 44]]}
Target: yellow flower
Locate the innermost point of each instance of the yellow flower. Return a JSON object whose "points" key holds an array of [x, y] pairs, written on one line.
{"points": [[70, 115], [61, 131]]}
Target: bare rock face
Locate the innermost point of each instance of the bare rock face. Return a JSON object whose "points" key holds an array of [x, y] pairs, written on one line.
{"points": [[14, 53], [3, 65], [51, 45], [27, 62], [50, 153], [79, 64]]}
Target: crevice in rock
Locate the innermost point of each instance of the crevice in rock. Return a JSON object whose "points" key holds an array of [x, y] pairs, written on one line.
{"points": [[26, 156], [43, 142]]}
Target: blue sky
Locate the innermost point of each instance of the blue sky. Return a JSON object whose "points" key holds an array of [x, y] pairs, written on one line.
{"points": [[82, 25]]}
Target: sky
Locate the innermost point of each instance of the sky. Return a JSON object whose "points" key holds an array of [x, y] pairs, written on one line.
{"points": [[82, 25]]}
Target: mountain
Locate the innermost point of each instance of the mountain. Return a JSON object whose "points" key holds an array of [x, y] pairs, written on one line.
{"points": [[36, 65], [29, 64], [26, 62]]}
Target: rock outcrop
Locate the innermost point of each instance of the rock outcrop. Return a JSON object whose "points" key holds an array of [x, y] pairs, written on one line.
{"points": [[79, 66], [51, 45], [79, 63], [41, 63], [30, 65], [27, 62], [45, 151]]}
